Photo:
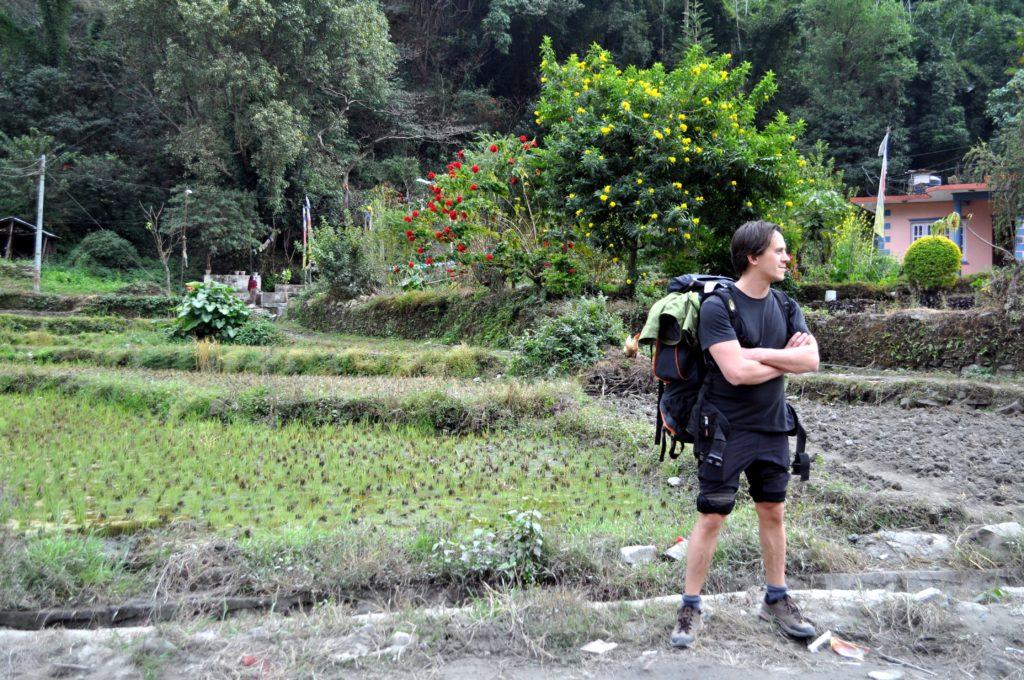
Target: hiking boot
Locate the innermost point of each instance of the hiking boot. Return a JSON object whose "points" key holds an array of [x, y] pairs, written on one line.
{"points": [[688, 624], [788, 617]]}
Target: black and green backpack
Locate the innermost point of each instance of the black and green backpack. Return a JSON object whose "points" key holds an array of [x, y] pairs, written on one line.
{"points": [[680, 366]]}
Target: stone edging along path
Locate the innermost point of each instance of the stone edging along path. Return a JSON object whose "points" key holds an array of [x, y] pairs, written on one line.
{"points": [[117, 616], [833, 598]]}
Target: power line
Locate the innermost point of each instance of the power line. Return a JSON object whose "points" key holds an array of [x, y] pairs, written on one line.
{"points": [[68, 194]]}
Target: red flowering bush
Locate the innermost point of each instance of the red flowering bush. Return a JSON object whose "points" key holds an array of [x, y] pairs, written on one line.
{"points": [[480, 216]]}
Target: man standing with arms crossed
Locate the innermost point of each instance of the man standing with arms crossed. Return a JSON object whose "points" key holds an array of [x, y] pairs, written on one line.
{"points": [[745, 394]]}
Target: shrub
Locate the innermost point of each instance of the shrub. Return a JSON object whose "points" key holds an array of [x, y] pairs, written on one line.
{"points": [[211, 310], [259, 331], [853, 257], [570, 341], [512, 554], [104, 249], [665, 160], [932, 262], [340, 261]]}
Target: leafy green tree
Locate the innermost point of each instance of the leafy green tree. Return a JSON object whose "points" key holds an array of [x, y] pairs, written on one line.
{"points": [[223, 221], [251, 88], [849, 81], [668, 160], [963, 50]]}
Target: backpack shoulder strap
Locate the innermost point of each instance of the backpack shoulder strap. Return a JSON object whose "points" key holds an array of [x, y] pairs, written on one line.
{"points": [[786, 305], [724, 293]]}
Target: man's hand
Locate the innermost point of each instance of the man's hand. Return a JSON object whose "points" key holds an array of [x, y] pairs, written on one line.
{"points": [[799, 340], [760, 354]]}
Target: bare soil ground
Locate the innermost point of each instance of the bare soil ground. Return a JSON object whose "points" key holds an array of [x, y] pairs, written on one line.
{"points": [[955, 454], [935, 455]]}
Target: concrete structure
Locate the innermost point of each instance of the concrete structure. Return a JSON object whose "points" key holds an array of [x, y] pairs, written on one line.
{"points": [[909, 217], [275, 302]]}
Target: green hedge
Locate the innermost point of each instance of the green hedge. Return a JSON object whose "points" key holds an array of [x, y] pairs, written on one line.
{"points": [[36, 302], [919, 339], [440, 405], [453, 316], [130, 305], [63, 325], [461, 362], [91, 305]]}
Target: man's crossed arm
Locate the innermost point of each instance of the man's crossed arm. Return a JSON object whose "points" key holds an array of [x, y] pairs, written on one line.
{"points": [[742, 366]]}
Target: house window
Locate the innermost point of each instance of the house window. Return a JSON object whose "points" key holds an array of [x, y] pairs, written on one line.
{"points": [[921, 229]]}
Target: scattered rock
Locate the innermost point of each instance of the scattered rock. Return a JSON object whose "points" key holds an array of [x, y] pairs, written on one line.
{"points": [[914, 544], [638, 554], [970, 608], [259, 634], [678, 550], [206, 639], [999, 538], [598, 647], [401, 640], [1006, 369], [62, 670], [972, 370], [928, 595], [674, 481], [1010, 409], [158, 646], [94, 654], [355, 645]]}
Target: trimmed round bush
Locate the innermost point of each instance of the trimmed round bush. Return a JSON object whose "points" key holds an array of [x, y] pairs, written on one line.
{"points": [[932, 262], [107, 250]]}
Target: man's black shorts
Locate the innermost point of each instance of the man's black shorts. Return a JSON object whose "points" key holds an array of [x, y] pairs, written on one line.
{"points": [[764, 456]]}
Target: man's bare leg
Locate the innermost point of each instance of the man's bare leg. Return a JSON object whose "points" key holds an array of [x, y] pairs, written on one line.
{"points": [[700, 549], [772, 532]]}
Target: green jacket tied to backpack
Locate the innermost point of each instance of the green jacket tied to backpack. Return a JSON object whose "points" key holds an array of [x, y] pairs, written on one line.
{"points": [[673, 319]]}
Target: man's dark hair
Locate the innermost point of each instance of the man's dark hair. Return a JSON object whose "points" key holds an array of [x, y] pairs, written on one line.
{"points": [[752, 238]]}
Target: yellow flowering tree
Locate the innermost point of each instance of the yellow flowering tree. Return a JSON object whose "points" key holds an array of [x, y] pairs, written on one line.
{"points": [[656, 161]]}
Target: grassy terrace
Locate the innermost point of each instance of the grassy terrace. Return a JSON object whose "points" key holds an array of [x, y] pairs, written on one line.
{"points": [[139, 343], [63, 465], [353, 482]]}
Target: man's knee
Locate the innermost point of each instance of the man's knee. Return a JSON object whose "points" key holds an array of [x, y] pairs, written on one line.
{"points": [[717, 503], [771, 511]]}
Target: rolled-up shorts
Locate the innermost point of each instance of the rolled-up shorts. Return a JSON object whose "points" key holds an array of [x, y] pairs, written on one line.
{"points": [[763, 456]]}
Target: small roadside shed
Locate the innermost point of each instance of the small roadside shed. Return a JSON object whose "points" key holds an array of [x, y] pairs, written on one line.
{"points": [[19, 238]]}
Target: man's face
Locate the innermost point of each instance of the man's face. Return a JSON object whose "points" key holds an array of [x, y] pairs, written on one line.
{"points": [[772, 262]]}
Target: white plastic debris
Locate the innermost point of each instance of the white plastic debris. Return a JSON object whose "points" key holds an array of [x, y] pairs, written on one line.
{"points": [[819, 642], [885, 675], [598, 647], [674, 481]]}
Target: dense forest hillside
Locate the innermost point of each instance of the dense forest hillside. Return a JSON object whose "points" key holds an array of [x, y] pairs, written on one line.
{"points": [[230, 113]]}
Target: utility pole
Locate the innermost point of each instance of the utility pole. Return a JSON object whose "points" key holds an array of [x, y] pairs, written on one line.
{"points": [[37, 270], [184, 241]]}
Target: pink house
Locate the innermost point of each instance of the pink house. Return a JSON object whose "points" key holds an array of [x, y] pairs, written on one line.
{"points": [[909, 217]]}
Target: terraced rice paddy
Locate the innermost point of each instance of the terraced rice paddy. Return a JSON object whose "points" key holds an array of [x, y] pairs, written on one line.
{"points": [[66, 464]]}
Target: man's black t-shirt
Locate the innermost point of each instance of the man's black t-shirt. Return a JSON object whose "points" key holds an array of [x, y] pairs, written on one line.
{"points": [[761, 408]]}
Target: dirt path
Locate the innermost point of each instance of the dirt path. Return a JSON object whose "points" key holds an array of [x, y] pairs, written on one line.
{"points": [[949, 638]]}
